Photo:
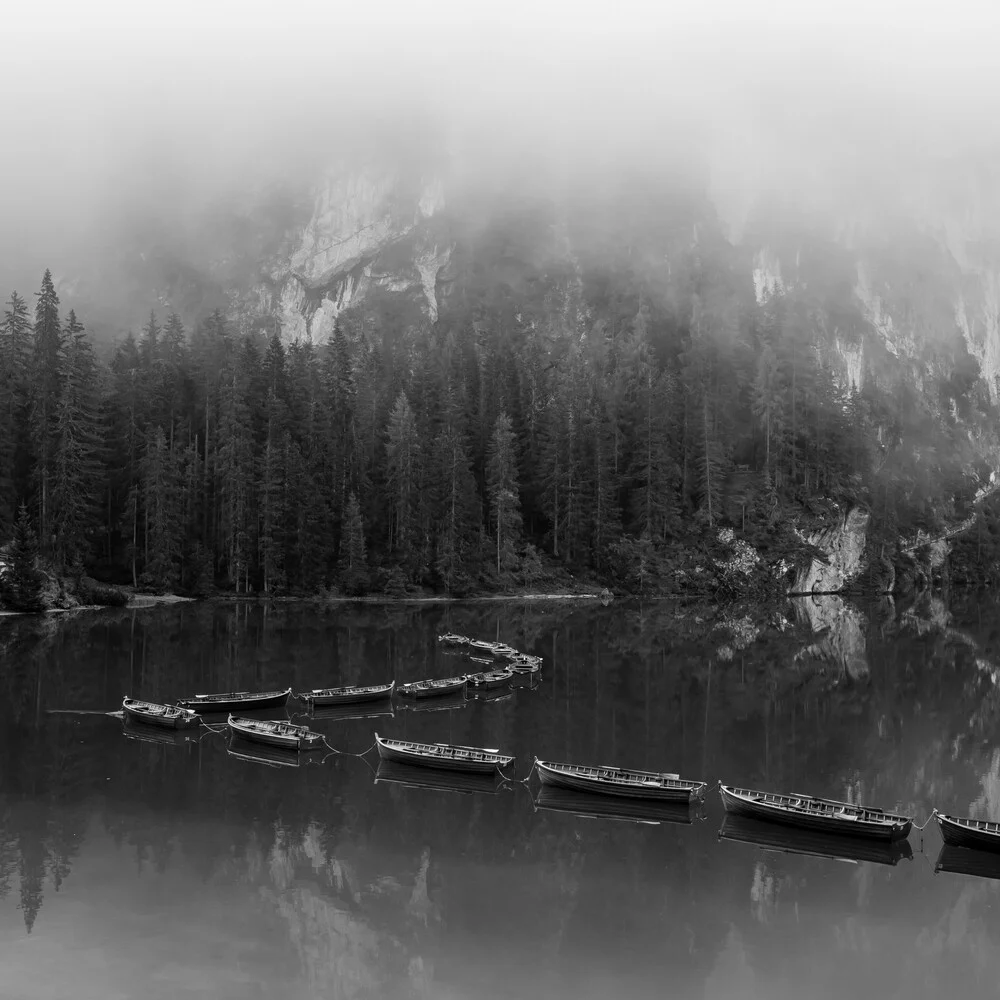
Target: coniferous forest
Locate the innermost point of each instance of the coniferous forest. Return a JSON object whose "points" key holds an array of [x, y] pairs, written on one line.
{"points": [[487, 451]]}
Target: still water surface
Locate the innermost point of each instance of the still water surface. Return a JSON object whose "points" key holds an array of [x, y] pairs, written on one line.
{"points": [[131, 868]]}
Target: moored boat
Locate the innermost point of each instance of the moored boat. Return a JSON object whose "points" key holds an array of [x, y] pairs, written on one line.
{"points": [[482, 645], [352, 694], [503, 651], [472, 760], [453, 639], [963, 861], [411, 776], [152, 714], [811, 813], [275, 734], [590, 806], [619, 781], [789, 840], [432, 688], [236, 701], [525, 664], [490, 679], [976, 834]]}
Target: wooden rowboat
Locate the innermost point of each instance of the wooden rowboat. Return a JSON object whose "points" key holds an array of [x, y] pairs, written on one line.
{"points": [[811, 813], [275, 734], [152, 714], [453, 639], [502, 650], [350, 695], [977, 834], [482, 646], [236, 701], [836, 847], [587, 805], [619, 781], [432, 688], [490, 679], [962, 861], [525, 664], [472, 760]]}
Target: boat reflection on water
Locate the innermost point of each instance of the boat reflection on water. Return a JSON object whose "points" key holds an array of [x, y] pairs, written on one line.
{"points": [[789, 840], [156, 734], [272, 756], [965, 861], [442, 703], [344, 713], [449, 781], [610, 807], [496, 694]]}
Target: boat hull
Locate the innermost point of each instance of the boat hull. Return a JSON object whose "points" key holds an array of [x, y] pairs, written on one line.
{"points": [[490, 681], [955, 833], [247, 703], [301, 739], [417, 758], [890, 828], [439, 691], [346, 696], [555, 777], [134, 713]]}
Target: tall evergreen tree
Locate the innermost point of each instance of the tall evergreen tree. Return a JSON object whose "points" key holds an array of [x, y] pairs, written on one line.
{"points": [[505, 503], [15, 355], [353, 560], [403, 478], [77, 465], [46, 389]]}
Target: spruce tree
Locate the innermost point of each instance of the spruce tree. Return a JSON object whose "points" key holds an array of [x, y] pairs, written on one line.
{"points": [[21, 582], [77, 467], [402, 474], [502, 489], [353, 560], [46, 389]]}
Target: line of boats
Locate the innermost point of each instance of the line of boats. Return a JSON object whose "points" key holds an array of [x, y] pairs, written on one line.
{"points": [[639, 795]]}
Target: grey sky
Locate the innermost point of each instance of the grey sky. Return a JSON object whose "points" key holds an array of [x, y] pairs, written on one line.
{"points": [[106, 101]]}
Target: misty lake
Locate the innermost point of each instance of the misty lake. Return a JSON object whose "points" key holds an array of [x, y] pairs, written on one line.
{"points": [[130, 867]]}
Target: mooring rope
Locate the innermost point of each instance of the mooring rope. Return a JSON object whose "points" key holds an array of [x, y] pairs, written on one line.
{"points": [[218, 728], [346, 753], [926, 821]]}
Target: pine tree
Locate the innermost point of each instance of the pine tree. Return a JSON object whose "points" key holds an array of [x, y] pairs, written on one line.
{"points": [[502, 488], [457, 512], [21, 583], [403, 478], [236, 467], [161, 504], [46, 389], [353, 560], [77, 467], [15, 352]]}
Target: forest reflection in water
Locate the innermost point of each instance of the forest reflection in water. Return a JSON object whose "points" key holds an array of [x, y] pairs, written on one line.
{"points": [[171, 868]]}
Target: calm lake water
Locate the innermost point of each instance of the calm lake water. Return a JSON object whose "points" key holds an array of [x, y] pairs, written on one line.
{"points": [[164, 870]]}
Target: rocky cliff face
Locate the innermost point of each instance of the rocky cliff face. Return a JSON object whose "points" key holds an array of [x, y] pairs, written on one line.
{"points": [[844, 544], [370, 228]]}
